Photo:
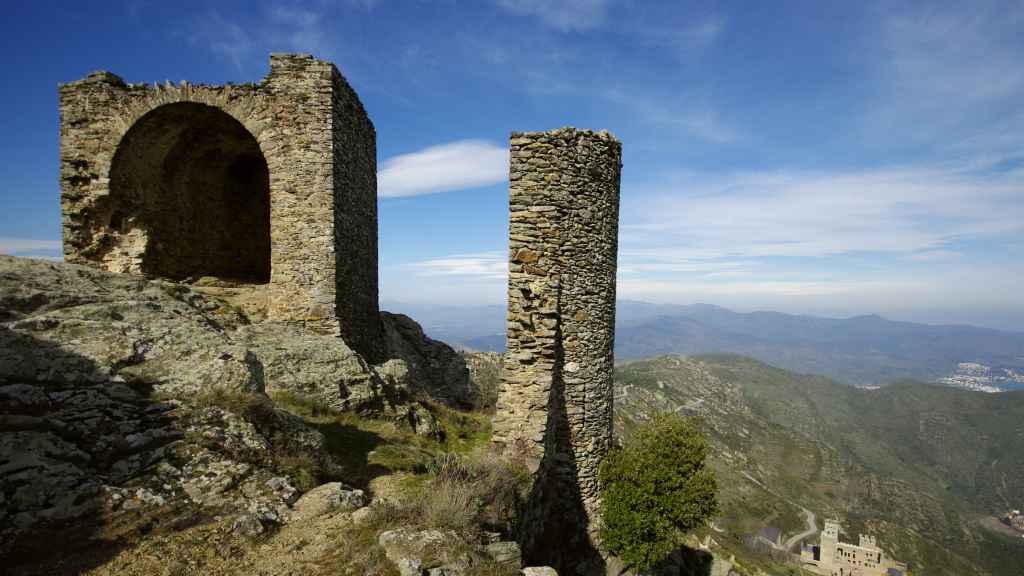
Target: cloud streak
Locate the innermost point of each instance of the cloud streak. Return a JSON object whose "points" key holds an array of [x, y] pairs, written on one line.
{"points": [[444, 168], [484, 265], [950, 79], [564, 15], [809, 214]]}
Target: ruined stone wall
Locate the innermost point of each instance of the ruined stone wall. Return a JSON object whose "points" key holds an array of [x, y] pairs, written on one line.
{"points": [[271, 184], [301, 162], [556, 396], [355, 219]]}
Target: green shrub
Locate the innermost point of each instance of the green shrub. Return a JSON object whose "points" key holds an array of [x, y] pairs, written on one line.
{"points": [[655, 489]]}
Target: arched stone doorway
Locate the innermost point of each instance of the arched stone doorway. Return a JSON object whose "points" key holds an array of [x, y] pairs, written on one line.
{"points": [[268, 187], [190, 197]]}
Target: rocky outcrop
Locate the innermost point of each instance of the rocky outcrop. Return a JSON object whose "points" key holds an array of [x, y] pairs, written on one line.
{"points": [[67, 325], [121, 395], [436, 369], [485, 373]]}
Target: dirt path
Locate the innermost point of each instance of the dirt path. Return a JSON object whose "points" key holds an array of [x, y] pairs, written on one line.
{"points": [[809, 517], [812, 529]]}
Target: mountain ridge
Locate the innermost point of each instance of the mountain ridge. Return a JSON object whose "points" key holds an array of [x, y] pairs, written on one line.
{"points": [[864, 350]]}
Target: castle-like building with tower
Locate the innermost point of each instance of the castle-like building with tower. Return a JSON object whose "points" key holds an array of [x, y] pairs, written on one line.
{"points": [[836, 558]]}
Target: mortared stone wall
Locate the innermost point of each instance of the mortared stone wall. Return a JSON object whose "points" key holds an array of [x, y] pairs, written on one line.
{"points": [[269, 186], [556, 397]]}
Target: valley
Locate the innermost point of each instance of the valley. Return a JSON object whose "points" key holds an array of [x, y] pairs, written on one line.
{"points": [[918, 466]]}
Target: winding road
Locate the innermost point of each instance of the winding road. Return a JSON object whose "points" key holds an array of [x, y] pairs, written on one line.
{"points": [[812, 529], [809, 517]]}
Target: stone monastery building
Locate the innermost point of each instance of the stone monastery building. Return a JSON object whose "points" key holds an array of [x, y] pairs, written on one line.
{"points": [[835, 558]]}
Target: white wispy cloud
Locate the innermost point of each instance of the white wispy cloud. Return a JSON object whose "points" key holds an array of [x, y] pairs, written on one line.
{"points": [[949, 78], [565, 15], [681, 38], [485, 265], [225, 38], [808, 214], [443, 168], [935, 255], [245, 39], [693, 116], [690, 291]]}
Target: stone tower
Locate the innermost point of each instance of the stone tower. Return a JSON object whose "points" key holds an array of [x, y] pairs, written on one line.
{"points": [[829, 541], [269, 187], [556, 397]]}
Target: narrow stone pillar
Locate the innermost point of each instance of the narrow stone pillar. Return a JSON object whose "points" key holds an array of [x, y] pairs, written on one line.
{"points": [[556, 398]]}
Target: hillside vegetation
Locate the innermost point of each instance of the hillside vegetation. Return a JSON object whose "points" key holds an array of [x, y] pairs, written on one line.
{"points": [[919, 466]]}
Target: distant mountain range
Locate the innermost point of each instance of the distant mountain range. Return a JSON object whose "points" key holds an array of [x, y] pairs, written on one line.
{"points": [[863, 350]]}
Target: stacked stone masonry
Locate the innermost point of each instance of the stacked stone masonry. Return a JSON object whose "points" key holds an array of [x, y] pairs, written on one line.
{"points": [[269, 186], [556, 396]]}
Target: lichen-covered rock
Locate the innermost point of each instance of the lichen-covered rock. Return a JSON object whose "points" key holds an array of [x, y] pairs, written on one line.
{"points": [[506, 552], [416, 551], [66, 324], [123, 396], [485, 372], [328, 499], [60, 444], [313, 365]]}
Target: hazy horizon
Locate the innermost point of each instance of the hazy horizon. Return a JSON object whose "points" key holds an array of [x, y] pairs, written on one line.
{"points": [[994, 320]]}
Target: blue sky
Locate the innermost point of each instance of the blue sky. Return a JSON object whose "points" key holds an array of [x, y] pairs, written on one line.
{"points": [[811, 157]]}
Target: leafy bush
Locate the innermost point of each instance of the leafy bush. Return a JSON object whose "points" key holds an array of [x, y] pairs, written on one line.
{"points": [[655, 489]]}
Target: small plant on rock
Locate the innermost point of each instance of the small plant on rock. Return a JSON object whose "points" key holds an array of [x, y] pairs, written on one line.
{"points": [[655, 489]]}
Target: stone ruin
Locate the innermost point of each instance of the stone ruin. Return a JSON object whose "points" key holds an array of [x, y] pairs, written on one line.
{"points": [[268, 189], [556, 397]]}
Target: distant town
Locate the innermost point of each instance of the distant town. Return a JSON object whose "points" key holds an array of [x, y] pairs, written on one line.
{"points": [[981, 378], [1014, 519]]}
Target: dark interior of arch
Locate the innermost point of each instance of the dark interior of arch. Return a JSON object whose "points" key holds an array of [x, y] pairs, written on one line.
{"points": [[196, 181]]}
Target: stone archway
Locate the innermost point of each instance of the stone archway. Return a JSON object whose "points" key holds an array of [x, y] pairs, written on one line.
{"points": [[189, 197]]}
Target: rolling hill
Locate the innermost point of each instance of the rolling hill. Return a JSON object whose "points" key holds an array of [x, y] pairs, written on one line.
{"points": [[919, 466]]}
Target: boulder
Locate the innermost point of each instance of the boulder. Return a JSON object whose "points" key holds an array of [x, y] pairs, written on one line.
{"points": [[539, 571], [507, 553], [328, 499], [436, 369], [415, 551]]}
